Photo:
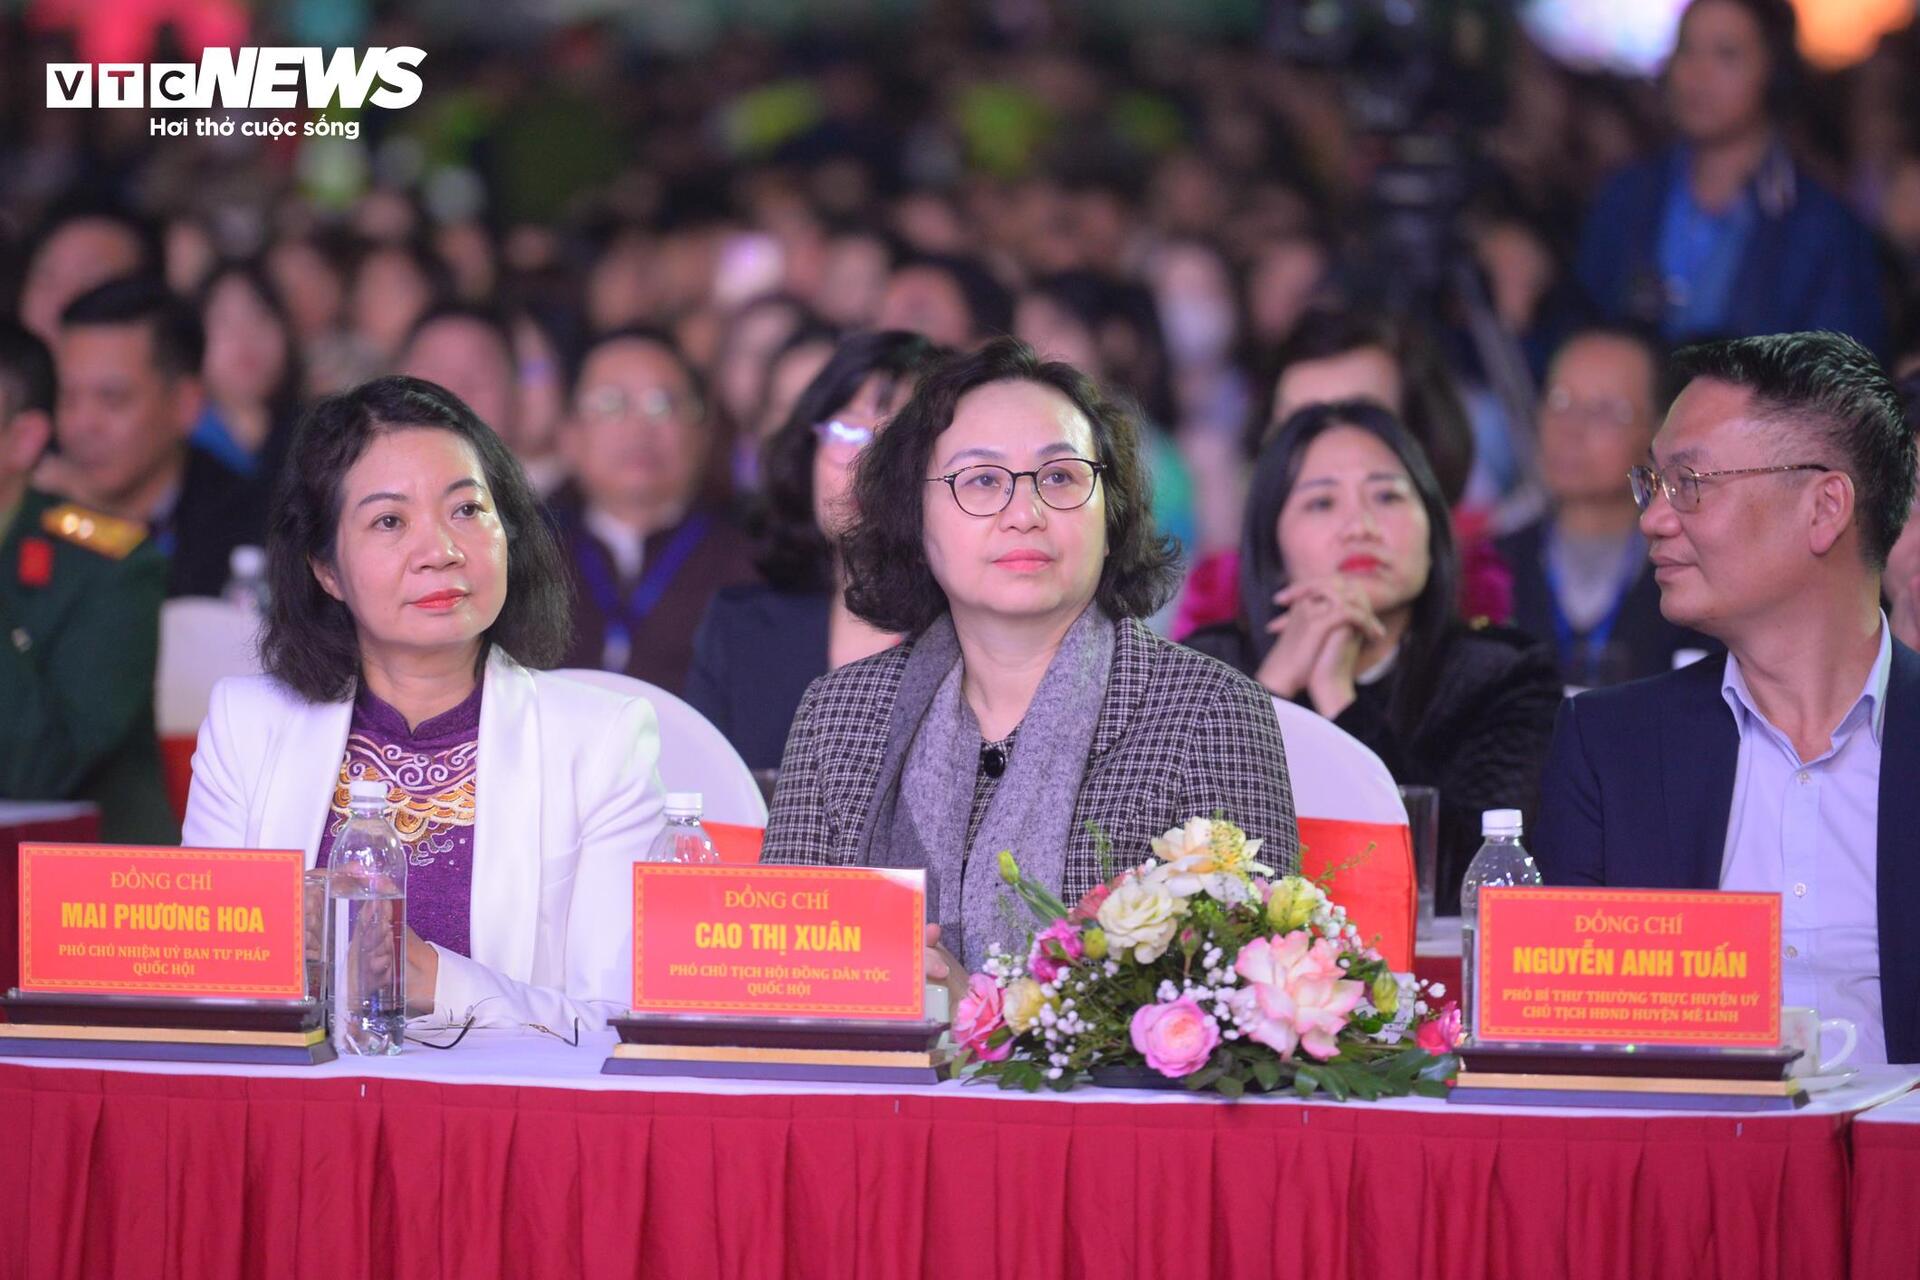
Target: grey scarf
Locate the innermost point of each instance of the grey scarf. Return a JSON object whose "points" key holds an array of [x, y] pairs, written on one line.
{"points": [[924, 794]]}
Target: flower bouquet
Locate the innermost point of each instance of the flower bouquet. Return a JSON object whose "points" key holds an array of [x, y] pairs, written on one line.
{"points": [[1201, 969]]}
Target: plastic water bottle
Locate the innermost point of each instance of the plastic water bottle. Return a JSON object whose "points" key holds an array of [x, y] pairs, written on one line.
{"points": [[683, 839], [247, 579], [367, 903], [1502, 861]]}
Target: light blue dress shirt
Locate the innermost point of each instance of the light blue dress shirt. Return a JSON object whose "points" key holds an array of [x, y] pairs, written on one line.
{"points": [[1809, 831], [1700, 254]]}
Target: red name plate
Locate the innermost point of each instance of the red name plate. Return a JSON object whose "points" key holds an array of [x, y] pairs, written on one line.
{"points": [[126, 920], [844, 942], [1630, 966]]}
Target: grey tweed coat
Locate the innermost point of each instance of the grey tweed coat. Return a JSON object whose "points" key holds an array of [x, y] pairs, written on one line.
{"points": [[1180, 735]]}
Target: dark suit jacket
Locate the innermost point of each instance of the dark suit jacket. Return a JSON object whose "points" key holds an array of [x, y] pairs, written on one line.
{"points": [[1808, 263], [219, 509], [662, 647], [1179, 736], [754, 655], [1641, 633], [1639, 786], [1478, 740]]}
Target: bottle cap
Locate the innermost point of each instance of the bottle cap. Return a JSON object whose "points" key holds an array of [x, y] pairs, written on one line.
{"points": [[367, 791], [683, 802], [1500, 822]]}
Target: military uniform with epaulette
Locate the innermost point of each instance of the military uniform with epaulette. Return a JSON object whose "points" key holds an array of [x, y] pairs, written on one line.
{"points": [[80, 596]]}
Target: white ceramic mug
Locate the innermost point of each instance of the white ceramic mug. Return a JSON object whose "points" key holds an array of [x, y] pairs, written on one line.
{"points": [[1801, 1028]]}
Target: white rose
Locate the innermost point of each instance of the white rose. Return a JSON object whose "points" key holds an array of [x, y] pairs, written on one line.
{"points": [[1140, 918], [1193, 837]]}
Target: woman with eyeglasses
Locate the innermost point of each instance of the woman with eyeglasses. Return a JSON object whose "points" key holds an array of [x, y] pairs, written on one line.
{"points": [[1347, 597], [416, 594], [644, 534], [1001, 523], [760, 645]]}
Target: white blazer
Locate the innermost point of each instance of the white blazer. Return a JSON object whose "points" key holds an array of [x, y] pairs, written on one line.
{"points": [[567, 798]]}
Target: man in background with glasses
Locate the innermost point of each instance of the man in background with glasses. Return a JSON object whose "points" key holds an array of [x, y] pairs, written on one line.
{"points": [[1581, 581], [1782, 477], [647, 543]]}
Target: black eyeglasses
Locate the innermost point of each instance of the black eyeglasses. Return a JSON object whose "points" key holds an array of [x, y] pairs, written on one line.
{"points": [[985, 490], [464, 1027], [1681, 484]]}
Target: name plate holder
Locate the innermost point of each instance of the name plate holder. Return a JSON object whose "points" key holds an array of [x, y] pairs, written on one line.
{"points": [[1628, 998], [178, 955], [779, 973]]}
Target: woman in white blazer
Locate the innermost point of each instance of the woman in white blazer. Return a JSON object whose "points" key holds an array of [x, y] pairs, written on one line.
{"points": [[415, 585]]}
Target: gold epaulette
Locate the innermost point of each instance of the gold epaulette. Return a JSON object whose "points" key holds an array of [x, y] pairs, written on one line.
{"points": [[105, 535]]}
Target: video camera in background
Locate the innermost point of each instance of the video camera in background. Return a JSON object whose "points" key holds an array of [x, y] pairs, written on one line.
{"points": [[1420, 78]]}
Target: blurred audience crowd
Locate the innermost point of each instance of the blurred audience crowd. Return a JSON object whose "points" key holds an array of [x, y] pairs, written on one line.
{"points": [[687, 290]]}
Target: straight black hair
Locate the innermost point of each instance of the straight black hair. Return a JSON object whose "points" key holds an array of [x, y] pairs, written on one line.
{"points": [[1263, 571]]}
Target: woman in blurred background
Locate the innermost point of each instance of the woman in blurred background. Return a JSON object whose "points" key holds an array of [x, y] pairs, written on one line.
{"points": [[1347, 590], [760, 646], [251, 371], [641, 521]]}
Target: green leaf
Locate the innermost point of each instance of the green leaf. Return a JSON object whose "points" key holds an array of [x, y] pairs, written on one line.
{"points": [[1230, 1086], [1362, 1083], [1266, 1071]]}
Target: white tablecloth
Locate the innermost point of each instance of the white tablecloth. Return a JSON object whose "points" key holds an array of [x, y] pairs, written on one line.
{"points": [[1901, 1110], [503, 1057]]}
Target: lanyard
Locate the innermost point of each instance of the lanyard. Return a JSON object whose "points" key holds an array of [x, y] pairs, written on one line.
{"points": [[624, 615], [1594, 642]]}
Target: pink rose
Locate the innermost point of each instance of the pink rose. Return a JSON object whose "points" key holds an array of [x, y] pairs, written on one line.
{"points": [[1089, 905], [1055, 947], [978, 1017], [1176, 1038], [1297, 995], [1440, 1035]]}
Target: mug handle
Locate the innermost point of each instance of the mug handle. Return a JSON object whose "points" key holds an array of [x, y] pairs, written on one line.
{"points": [[1846, 1050]]}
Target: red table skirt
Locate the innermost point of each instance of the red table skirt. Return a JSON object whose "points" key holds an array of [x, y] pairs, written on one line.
{"points": [[127, 1175], [1886, 1201]]}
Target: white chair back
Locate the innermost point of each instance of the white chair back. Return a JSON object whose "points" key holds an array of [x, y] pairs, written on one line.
{"points": [[694, 755], [1334, 774], [202, 641]]}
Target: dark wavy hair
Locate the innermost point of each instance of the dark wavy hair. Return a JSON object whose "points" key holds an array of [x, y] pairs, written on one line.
{"points": [[798, 555], [1263, 571], [309, 642], [889, 582]]}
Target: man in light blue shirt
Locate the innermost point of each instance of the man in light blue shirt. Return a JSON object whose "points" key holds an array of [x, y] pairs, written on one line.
{"points": [[1782, 476]]}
